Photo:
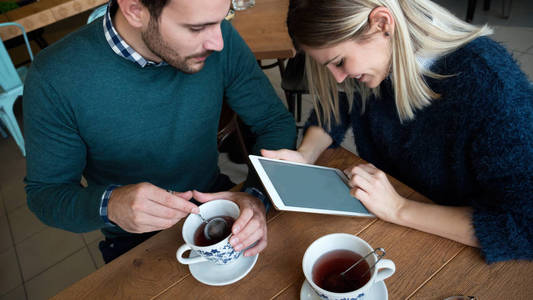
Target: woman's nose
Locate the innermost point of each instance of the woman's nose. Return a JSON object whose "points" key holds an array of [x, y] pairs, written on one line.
{"points": [[338, 73]]}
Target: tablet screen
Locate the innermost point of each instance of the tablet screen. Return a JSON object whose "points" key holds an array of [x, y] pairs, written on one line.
{"points": [[311, 187]]}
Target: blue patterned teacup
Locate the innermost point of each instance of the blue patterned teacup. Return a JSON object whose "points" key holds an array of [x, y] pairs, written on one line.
{"points": [[382, 269], [220, 253]]}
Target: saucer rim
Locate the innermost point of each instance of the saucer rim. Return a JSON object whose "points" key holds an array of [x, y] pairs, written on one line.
{"points": [[252, 259], [318, 297]]}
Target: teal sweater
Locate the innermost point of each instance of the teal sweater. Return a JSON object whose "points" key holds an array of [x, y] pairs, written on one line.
{"points": [[90, 112]]}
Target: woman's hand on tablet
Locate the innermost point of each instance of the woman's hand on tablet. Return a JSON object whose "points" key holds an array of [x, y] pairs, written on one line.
{"points": [[250, 226], [284, 154], [372, 187], [315, 141]]}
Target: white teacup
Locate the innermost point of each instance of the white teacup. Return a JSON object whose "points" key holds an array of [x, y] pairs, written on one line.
{"points": [[221, 253], [337, 241]]}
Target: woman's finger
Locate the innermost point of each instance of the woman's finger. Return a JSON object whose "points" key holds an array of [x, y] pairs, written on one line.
{"points": [[359, 181], [284, 154], [361, 195], [359, 170], [369, 168], [275, 154]]}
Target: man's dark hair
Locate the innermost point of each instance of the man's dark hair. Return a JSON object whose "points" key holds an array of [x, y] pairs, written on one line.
{"points": [[155, 7]]}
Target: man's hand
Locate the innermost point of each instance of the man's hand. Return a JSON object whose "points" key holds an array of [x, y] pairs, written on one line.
{"points": [[251, 224], [144, 207]]}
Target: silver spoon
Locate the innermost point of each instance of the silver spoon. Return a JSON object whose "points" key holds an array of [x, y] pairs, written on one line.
{"points": [[380, 252], [215, 228]]}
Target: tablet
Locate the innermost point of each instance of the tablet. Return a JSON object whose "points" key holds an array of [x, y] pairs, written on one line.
{"points": [[307, 188]]}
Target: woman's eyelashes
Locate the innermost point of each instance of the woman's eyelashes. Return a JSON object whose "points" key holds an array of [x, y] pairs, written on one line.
{"points": [[340, 63]]}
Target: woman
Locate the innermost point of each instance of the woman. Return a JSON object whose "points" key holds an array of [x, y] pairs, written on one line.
{"points": [[433, 102]]}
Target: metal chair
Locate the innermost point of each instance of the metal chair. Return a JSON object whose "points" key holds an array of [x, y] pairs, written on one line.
{"points": [[229, 125], [294, 83], [471, 8], [11, 82], [97, 13]]}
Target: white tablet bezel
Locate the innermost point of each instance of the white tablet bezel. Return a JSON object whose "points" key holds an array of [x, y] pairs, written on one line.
{"points": [[276, 199]]}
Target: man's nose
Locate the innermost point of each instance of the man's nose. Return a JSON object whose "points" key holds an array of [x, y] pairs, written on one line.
{"points": [[214, 41]]}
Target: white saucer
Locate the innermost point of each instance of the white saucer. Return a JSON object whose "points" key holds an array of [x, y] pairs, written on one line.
{"points": [[377, 292], [211, 274]]}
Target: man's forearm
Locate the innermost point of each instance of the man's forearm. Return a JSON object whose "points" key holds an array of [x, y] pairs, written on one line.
{"points": [[66, 206]]}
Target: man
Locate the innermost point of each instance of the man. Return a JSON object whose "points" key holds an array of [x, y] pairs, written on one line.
{"points": [[132, 102]]}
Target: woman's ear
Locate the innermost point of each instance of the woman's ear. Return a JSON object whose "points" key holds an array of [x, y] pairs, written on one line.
{"points": [[381, 20], [134, 12]]}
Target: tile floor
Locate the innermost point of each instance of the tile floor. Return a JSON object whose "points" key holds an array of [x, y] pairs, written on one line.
{"points": [[38, 261]]}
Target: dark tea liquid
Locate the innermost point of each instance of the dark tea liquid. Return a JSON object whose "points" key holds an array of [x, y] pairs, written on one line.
{"points": [[201, 240], [327, 269]]}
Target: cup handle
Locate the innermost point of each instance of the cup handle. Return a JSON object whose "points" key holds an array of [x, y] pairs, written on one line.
{"points": [[187, 260], [386, 268]]}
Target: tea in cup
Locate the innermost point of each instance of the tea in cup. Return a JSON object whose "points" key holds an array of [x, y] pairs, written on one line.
{"points": [[218, 251], [329, 256]]}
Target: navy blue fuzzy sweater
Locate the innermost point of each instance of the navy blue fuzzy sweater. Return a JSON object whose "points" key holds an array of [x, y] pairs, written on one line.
{"points": [[472, 147]]}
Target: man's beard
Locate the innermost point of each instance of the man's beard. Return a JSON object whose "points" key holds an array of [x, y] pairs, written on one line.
{"points": [[153, 40]]}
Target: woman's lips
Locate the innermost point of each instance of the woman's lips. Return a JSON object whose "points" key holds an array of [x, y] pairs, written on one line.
{"points": [[358, 77]]}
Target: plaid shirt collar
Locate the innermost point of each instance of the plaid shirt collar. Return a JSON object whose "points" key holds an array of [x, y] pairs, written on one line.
{"points": [[119, 45]]}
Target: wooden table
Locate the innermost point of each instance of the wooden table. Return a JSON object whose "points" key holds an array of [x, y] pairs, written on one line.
{"points": [[262, 26], [264, 29], [427, 266]]}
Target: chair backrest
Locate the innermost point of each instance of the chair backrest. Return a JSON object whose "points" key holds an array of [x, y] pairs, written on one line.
{"points": [[228, 125], [293, 78], [97, 13], [9, 77]]}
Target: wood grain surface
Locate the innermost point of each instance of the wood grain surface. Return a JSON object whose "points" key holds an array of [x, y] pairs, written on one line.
{"points": [[427, 266], [264, 29], [468, 274]]}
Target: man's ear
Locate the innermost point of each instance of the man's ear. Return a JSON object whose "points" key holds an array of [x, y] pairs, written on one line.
{"points": [[134, 12], [381, 20]]}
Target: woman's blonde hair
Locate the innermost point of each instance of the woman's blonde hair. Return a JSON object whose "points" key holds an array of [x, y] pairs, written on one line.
{"points": [[422, 28]]}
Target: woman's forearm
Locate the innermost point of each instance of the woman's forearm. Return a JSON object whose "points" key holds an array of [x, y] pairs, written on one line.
{"points": [[450, 222], [315, 141]]}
